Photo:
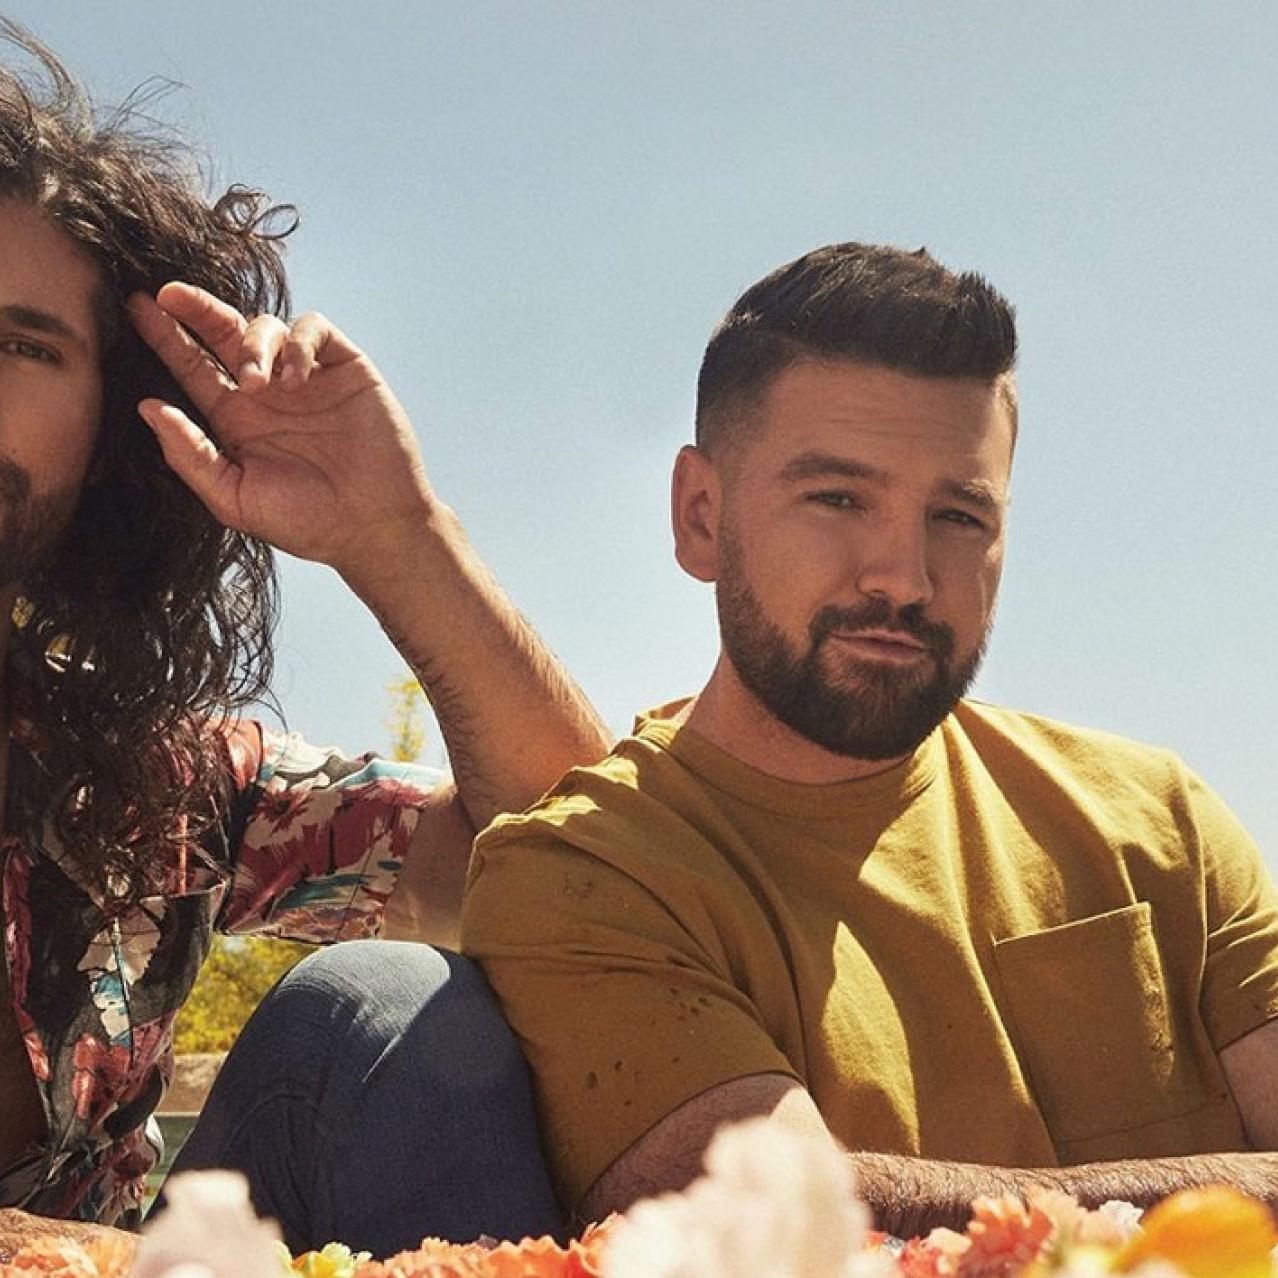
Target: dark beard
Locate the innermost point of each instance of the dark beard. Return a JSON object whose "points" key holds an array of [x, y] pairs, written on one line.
{"points": [[30, 527], [858, 709]]}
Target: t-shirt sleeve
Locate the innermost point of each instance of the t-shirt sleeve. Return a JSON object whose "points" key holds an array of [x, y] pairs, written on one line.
{"points": [[616, 990], [1240, 975], [316, 839]]}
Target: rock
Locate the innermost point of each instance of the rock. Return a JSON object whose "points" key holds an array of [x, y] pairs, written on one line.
{"points": [[193, 1075]]}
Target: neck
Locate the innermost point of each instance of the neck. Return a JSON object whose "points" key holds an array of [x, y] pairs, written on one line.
{"points": [[731, 717]]}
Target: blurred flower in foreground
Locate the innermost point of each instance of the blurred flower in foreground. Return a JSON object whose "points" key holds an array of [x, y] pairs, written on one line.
{"points": [[209, 1225], [1214, 1232], [772, 1204], [52, 1257], [334, 1260], [531, 1258]]}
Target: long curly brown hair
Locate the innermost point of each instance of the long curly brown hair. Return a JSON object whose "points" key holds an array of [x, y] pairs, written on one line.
{"points": [[151, 623]]}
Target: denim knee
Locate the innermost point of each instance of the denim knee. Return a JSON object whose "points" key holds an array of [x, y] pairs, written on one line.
{"points": [[377, 1094], [343, 1009]]}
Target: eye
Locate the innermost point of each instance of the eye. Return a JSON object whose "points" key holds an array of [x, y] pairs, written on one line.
{"points": [[835, 500], [25, 349], [962, 518]]}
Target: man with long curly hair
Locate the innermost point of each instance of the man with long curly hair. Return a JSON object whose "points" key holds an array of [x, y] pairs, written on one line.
{"points": [[154, 445]]}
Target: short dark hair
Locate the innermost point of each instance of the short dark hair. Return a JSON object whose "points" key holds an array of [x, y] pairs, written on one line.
{"points": [[864, 302], [161, 616]]}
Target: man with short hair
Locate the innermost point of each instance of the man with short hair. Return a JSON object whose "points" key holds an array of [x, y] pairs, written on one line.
{"points": [[979, 949], [141, 813]]}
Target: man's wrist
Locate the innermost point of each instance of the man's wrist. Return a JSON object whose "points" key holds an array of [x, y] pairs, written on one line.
{"points": [[379, 557]]}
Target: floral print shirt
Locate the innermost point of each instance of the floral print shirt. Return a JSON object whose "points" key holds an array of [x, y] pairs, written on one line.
{"points": [[308, 849]]}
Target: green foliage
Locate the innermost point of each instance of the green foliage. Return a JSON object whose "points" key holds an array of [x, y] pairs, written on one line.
{"points": [[234, 979]]}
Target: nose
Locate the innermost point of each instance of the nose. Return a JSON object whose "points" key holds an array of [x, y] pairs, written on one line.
{"points": [[893, 564]]}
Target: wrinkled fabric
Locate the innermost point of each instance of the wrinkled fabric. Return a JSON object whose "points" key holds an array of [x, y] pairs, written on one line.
{"points": [[308, 848], [377, 1096]]}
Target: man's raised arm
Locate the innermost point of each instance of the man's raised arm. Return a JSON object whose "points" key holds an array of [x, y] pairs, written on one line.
{"points": [[309, 449]]}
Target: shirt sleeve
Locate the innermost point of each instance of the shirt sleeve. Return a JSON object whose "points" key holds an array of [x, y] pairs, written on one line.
{"points": [[617, 989], [317, 839], [1240, 974]]}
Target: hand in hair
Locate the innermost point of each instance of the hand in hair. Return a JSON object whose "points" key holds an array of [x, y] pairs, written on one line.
{"points": [[308, 449], [306, 446]]}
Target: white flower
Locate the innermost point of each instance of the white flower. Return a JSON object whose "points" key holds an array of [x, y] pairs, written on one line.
{"points": [[772, 1201], [209, 1230], [1124, 1216]]}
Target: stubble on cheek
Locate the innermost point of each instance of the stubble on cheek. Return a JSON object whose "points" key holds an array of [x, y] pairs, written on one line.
{"points": [[31, 526]]}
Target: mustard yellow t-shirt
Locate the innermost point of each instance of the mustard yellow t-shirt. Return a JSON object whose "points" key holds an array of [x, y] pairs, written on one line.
{"points": [[1023, 946]]}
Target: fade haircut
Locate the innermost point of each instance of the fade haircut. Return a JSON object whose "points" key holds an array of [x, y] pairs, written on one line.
{"points": [[869, 303], [149, 623]]}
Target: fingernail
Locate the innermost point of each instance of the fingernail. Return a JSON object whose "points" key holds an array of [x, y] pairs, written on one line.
{"points": [[249, 368]]}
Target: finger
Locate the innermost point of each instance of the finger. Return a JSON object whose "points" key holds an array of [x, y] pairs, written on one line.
{"points": [[309, 336], [260, 347], [212, 476], [195, 370], [314, 340], [216, 323]]}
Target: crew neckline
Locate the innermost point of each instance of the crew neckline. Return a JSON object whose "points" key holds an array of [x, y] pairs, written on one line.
{"points": [[725, 772]]}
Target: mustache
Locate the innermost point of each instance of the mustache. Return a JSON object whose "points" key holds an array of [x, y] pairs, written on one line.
{"points": [[878, 614]]}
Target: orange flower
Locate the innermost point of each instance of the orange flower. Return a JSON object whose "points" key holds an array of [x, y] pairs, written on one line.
{"points": [[50, 1257], [531, 1258], [433, 1259], [1213, 1232], [1006, 1236], [112, 1254], [588, 1250], [939, 1255], [545, 1258]]}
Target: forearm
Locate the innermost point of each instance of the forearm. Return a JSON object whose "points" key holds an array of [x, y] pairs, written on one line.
{"points": [[18, 1228], [911, 1196], [512, 718]]}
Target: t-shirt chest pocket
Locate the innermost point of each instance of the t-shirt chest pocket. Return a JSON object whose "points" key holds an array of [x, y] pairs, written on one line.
{"points": [[1090, 1021]]}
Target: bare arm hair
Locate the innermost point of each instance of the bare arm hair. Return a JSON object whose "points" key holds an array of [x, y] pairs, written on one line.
{"points": [[18, 1228], [910, 1196], [511, 716]]}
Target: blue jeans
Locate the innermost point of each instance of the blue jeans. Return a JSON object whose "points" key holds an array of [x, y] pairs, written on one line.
{"points": [[376, 1097]]}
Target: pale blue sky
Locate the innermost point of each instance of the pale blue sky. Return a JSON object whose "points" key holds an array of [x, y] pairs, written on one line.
{"points": [[532, 214]]}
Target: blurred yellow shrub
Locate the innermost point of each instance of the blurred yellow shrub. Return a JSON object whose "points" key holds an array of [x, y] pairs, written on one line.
{"points": [[236, 975]]}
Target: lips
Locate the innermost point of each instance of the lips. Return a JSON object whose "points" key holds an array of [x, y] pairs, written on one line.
{"points": [[891, 638], [889, 645]]}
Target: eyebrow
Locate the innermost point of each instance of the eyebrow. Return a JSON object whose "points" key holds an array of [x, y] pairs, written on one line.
{"points": [[39, 321], [816, 465], [974, 492]]}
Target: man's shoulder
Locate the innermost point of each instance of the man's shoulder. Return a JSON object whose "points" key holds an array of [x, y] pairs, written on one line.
{"points": [[628, 798], [606, 843], [1090, 754]]}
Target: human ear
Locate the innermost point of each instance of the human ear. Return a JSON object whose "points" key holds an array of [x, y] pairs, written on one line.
{"points": [[696, 500]]}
